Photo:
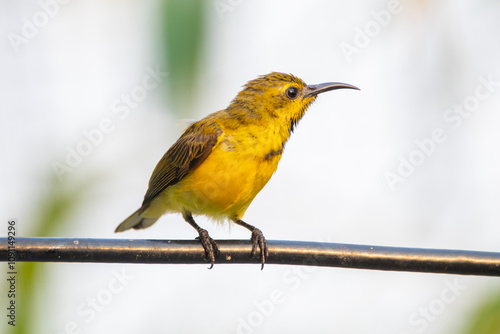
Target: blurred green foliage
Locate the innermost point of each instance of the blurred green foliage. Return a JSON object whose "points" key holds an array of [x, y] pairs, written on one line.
{"points": [[486, 318], [55, 210], [183, 33]]}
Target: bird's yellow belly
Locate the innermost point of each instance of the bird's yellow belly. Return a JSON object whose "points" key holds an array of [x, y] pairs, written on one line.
{"points": [[223, 186]]}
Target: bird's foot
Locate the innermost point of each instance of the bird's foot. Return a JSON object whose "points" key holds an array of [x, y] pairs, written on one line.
{"points": [[259, 240], [210, 246]]}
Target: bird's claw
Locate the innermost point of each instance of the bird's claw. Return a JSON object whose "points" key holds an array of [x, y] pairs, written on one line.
{"points": [[210, 246], [259, 240]]}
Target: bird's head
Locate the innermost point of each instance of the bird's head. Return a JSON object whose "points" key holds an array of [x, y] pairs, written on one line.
{"points": [[280, 96]]}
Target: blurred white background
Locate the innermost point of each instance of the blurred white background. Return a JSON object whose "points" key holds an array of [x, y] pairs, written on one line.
{"points": [[413, 60]]}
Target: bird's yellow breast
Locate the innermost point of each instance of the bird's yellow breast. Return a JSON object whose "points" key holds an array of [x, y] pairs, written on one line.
{"points": [[225, 184]]}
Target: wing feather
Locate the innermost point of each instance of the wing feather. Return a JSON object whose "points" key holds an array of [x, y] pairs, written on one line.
{"points": [[187, 153]]}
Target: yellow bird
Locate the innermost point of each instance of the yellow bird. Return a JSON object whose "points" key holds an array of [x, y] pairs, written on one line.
{"points": [[220, 163]]}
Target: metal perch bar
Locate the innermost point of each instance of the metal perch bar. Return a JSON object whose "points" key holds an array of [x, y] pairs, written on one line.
{"points": [[237, 251]]}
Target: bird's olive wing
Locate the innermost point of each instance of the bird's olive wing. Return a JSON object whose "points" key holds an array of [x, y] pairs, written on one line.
{"points": [[188, 152]]}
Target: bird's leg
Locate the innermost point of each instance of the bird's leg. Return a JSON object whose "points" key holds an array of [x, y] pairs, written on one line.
{"points": [[257, 240], [210, 246]]}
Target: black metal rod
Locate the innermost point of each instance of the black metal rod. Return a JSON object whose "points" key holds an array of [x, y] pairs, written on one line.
{"points": [[237, 251]]}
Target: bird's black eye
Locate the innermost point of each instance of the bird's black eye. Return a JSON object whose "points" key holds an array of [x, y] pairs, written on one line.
{"points": [[292, 92]]}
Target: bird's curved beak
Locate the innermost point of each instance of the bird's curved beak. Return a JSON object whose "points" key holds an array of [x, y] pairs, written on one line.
{"points": [[312, 90]]}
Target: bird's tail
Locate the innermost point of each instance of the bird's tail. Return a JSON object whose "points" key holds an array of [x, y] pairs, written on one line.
{"points": [[136, 221]]}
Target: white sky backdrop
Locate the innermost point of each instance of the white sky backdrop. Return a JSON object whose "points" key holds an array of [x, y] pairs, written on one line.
{"points": [[330, 184]]}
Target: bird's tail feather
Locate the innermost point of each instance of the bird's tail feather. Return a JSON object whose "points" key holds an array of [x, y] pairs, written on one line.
{"points": [[135, 221]]}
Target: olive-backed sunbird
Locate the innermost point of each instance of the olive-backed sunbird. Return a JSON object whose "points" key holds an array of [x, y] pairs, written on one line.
{"points": [[220, 163]]}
